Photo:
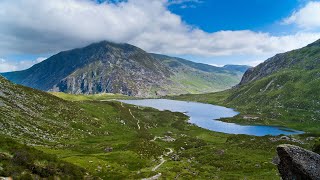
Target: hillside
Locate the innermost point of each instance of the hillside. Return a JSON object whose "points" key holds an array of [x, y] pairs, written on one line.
{"points": [[284, 90], [47, 137], [307, 59], [198, 77], [107, 67], [44, 118]]}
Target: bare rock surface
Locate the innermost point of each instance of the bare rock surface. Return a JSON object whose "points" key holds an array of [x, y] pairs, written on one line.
{"points": [[298, 163]]}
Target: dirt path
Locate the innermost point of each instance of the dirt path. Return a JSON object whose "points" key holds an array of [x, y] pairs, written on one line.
{"points": [[155, 177], [155, 138], [170, 151], [162, 160], [138, 121]]}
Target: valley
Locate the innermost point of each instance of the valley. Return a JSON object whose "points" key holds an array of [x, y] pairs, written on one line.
{"points": [[282, 91], [103, 140], [159, 90], [88, 135]]}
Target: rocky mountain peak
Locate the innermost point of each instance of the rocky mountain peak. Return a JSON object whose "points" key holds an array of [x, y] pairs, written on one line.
{"points": [[307, 58], [107, 67]]}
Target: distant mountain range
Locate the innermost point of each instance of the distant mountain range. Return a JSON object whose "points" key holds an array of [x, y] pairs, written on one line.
{"points": [[125, 69]]}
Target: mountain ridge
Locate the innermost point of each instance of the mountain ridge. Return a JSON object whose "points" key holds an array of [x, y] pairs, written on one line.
{"points": [[295, 59], [282, 91], [107, 67]]}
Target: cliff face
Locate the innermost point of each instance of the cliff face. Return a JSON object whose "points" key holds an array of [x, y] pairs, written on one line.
{"points": [[107, 67], [298, 163], [126, 70], [97, 68], [306, 58]]}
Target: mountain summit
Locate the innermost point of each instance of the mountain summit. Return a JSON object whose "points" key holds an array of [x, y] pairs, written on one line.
{"points": [[306, 58], [107, 67]]}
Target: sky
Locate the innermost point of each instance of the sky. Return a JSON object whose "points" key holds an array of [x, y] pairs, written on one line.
{"points": [[215, 32]]}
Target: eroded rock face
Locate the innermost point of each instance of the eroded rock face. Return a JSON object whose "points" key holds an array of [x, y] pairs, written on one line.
{"points": [[298, 163], [304, 58], [107, 67]]}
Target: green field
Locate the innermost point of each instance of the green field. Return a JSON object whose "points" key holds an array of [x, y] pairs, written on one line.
{"points": [[282, 99], [112, 146], [92, 97]]}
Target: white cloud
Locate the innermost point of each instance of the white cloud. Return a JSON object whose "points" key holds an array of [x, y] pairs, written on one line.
{"points": [[37, 26], [216, 65], [40, 59], [170, 2], [185, 3], [7, 66], [307, 17]]}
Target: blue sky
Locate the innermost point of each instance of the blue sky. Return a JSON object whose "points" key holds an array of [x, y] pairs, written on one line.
{"points": [[216, 15], [215, 32]]}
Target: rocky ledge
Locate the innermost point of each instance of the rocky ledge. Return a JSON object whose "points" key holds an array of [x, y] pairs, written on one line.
{"points": [[298, 163]]}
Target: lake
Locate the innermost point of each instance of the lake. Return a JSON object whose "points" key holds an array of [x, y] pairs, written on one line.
{"points": [[207, 115]]}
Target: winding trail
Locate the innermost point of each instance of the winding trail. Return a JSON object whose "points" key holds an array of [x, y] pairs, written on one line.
{"points": [[155, 177], [138, 121], [162, 160]]}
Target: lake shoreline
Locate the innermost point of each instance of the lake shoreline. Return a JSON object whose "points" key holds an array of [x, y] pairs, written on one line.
{"points": [[209, 117]]}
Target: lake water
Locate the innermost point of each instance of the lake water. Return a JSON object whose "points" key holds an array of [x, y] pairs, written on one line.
{"points": [[206, 115]]}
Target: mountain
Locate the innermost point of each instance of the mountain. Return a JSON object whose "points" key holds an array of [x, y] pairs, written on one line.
{"points": [[240, 68], [306, 59], [197, 77], [284, 90], [99, 67], [125, 69]]}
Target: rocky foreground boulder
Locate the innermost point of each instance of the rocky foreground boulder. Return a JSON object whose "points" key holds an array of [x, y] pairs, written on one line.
{"points": [[298, 163]]}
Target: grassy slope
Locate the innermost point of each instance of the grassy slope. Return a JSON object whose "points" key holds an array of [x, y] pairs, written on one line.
{"points": [[191, 77], [205, 154], [282, 91], [195, 82], [24, 162], [96, 97], [288, 98], [82, 130]]}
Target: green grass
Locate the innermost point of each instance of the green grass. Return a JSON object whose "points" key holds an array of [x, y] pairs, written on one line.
{"points": [[82, 130], [283, 99], [282, 91], [23, 162], [92, 97]]}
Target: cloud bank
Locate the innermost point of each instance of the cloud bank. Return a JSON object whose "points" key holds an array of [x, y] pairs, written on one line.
{"points": [[8, 66], [37, 26], [307, 17]]}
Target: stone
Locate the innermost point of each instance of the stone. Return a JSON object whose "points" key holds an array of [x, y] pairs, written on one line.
{"points": [[298, 163], [108, 149], [220, 152], [275, 160], [285, 138]]}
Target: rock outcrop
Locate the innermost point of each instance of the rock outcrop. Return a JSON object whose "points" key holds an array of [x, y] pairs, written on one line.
{"points": [[107, 67], [305, 58], [298, 163]]}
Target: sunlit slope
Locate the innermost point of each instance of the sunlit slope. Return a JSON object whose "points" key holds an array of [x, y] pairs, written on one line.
{"points": [[284, 90]]}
